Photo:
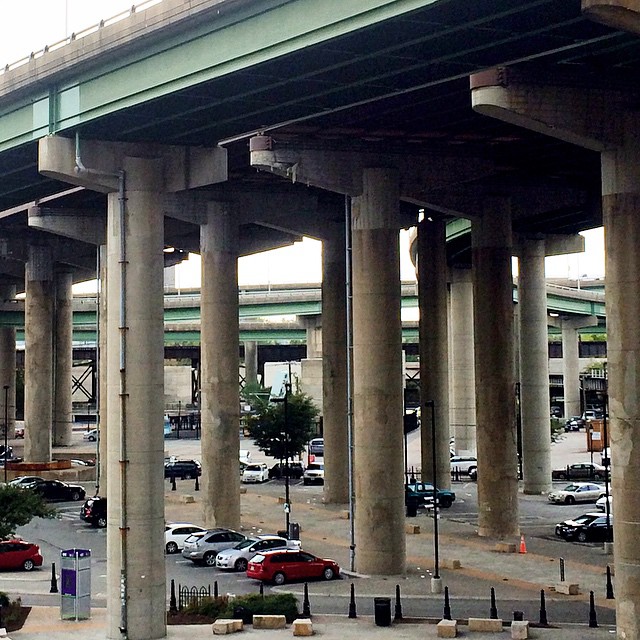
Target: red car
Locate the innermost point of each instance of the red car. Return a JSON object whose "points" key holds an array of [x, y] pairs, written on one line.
{"points": [[18, 554], [283, 566]]}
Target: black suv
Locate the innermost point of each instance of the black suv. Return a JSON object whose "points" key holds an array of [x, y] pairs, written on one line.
{"points": [[94, 511], [294, 469], [183, 469]]}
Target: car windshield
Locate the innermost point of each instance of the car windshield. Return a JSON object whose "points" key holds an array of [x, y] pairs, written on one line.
{"points": [[257, 559], [245, 543], [315, 467], [585, 519], [253, 467]]}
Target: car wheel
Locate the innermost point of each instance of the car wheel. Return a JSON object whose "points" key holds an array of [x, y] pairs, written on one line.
{"points": [[209, 559], [562, 476], [75, 496], [445, 503], [597, 476], [279, 578], [171, 547], [471, 470], [582, 536], [241, 564], [27, 565], [101, 523], [569, 500], [328, 573], [92, 438]]}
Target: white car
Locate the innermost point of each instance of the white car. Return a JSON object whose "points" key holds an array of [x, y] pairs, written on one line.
{"points": [[601, 503], [255, 472], [314, 473], [463, 464], [237, 558], [91, 436], [577, 492], [175, 533]]}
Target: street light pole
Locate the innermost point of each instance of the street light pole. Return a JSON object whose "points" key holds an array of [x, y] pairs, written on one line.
{"points": [[436, 584], [287, 509], [6, 429], [607, 543]]}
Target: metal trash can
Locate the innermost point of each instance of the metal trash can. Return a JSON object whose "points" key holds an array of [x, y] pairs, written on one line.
{"points": [[411, 503], [382, 611], [294, 531]]}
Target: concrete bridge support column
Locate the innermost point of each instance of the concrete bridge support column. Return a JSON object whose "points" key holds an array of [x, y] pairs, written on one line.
{"points": [[38, 332], [103, 430], [462, 371], [620, 206], [494, 365], [62, 360], [570, 368], [8, 367], [313, 326], [377, 359], [534, 368], [135, 392], [434, 350], [219, 369], [251, 362], [334, 371]]}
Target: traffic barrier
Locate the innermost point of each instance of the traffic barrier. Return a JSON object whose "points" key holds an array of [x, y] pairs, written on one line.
{"points": [[543, 610], [610, 595], [446, 614], [302, 627], [398, 610], [352, 602], [523, 546], [54, 579], [306, 605], [447, 629], [593, 618], [493, 611]]}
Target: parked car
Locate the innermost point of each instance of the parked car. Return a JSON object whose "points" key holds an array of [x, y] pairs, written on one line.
{"points": [[463, 464], [204, 547], [314, 473], [601, 503], [577, 492], [56, 490], [574, 423], [175, 533], [91, 435], [237, 558], [94, 511], [255, 472], [183, 469], [23, 481], [579, 471], [285, 566], [316, 447], [424, 490], [292, 469], [19, 554], [473, 474], [590, 527], [6, 452]]}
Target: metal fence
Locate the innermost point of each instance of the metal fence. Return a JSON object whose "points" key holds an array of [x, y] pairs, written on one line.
{"points": [[192, 596]]}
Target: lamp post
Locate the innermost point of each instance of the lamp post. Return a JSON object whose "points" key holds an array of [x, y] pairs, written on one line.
{"points": [[287, 506], [436, 584], [607, 506], [6, 428]]}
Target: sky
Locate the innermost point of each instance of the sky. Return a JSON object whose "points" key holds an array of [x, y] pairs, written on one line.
{"points": [[29, 25]]}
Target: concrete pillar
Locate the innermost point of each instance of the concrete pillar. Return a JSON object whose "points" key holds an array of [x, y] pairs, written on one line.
{"points": [[135, 407], [377, 376], [620, 204], [313, 326], [219, 330], [62, 359], [251, 362], [38, 373], [8, 367], [571, 369], [334, 371], [103, 431], [434, 349], [462, 409], [534, 368], [494, 364]]}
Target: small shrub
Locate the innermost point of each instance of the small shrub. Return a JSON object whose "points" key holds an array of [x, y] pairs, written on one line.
{"points": [[272, 604], [4, 599], [211, 607]]}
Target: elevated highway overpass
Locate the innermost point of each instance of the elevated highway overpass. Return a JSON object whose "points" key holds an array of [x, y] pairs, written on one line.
{"points": [[231, 126]]}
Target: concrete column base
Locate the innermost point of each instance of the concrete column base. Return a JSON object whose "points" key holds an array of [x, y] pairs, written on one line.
{"points": [[436, 585], [607, 547]]}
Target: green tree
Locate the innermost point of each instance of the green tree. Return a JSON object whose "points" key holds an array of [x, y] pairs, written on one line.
{"points": [[18, 507], [271, 434]]}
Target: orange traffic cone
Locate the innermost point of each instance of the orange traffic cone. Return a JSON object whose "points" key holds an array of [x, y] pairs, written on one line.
{"points": [[523, 546]]}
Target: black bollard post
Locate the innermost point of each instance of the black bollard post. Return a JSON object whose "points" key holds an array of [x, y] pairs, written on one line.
{"points": [[518, 616], [173, 483], [446, 614], [593, 619], [398, 612], [610, 595], [54, 580], [493, 611], [543, 610], [262, 589], [561, 569], [173, 605], [306, 605], [215, 589], [352, 602], [197, 488]]}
